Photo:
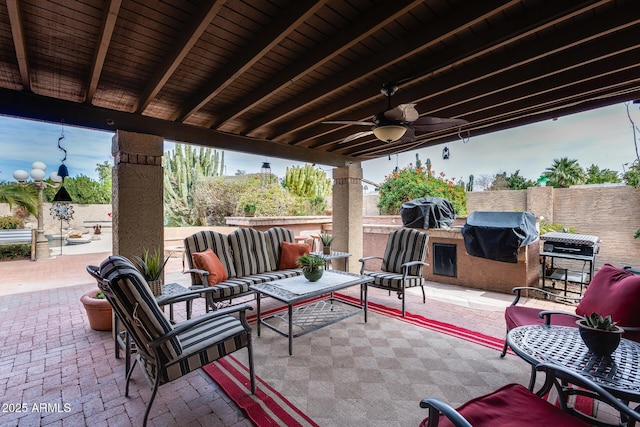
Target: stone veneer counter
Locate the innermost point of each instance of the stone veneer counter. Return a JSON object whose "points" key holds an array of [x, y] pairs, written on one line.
{"points": [[447, 249]]}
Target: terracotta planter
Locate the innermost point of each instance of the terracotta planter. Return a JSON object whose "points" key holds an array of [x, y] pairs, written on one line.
{"points": [[98, 311]]}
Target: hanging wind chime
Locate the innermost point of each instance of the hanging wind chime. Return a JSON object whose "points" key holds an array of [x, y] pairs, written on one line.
{"points": [[61, 209]]}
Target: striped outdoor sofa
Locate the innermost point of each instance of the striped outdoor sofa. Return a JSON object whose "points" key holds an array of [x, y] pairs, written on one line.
{"points": [[402, 263], [164, 351], [248, 256]]}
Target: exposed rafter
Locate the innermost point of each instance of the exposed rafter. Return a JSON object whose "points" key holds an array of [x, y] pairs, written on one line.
{"points": [[15, 19], [106, 32]]}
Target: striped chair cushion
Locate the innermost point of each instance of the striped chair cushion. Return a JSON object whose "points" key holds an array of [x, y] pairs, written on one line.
{"points": [[134, 298], [274, 238], [392, 280], [404, 245], [240, 285], [215, 241], [202, 344], [249, 249], [230, 288]]}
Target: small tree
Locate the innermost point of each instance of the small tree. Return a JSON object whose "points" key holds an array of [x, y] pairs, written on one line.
{"points": [[564, 173], [413, 182], [595, 175], [24, 196]]}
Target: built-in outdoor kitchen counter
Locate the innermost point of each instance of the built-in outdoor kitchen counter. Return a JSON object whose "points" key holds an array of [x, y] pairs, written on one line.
{"points": [[449, 262]]}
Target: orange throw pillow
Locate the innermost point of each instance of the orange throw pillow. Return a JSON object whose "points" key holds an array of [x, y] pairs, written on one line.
{"points": [[209, 261], [289, 254]]}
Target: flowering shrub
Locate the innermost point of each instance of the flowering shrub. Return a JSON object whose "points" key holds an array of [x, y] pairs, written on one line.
{"points": [[414, 182]]}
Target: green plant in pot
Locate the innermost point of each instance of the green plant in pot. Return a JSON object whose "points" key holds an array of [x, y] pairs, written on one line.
{"points": [[312, 266], [326, 240], [249, 210], [151, 266], [600, 334]]}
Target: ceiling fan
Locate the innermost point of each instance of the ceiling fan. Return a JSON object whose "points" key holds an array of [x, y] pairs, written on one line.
{"points": [[398, 123]]}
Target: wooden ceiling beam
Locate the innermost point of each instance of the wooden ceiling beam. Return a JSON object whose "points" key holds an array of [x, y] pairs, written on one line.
{"points": [[179, 51], [380, 62], [104, 40], [341, 42], [17, 32], [511, 31], [294, 15], [564, 46]]}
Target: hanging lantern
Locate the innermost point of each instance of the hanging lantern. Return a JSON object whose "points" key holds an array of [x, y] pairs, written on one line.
{"points": [[265, 173]]}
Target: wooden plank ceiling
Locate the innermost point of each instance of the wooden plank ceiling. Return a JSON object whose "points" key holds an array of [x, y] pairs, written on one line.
{"points": [[261, 76]]}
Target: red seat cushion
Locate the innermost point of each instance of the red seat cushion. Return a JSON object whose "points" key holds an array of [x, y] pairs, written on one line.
{"points": [[516, 315], [289, 254], [616, 292], [209, 261], [511, 405]]}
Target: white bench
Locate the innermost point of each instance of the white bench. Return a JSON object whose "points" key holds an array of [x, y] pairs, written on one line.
{"points": [[18, 236]]}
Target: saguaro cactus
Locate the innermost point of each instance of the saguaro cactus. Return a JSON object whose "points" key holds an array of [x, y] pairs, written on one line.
{"points": [[183, 167], [470, 184]]}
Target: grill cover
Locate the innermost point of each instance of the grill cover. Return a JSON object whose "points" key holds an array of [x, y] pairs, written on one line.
{"points": [[427, 212], [498, 235]]}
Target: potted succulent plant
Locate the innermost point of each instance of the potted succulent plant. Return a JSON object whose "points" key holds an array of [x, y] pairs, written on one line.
{"points": [[151, 265], [600, 334], [98, 310], [326, 240], [249, 210], [312, 266]]}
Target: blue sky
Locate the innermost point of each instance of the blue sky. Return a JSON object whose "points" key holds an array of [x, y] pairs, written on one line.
{"points": [[602, 137]]}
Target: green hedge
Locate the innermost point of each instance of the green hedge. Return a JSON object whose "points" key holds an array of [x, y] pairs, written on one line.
{"points": [[15, 251]]}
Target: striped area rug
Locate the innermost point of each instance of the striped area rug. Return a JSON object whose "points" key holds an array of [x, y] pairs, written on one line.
{"points": [[270, 407]]}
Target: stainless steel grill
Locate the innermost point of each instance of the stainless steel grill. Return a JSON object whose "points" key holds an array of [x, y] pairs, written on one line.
{"points": [[568, 243]]}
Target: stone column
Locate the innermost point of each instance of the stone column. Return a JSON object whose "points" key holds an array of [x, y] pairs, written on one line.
{"points": [[138, 210], [347, 214]]}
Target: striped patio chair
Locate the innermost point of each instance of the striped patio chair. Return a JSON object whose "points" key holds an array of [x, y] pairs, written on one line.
{"points": [[402, 263], [164, 351]]}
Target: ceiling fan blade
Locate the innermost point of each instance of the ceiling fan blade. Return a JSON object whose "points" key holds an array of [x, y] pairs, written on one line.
{"points": [[430, 124], [403, 113], [348, 122], [409, 136], [356, 136]]}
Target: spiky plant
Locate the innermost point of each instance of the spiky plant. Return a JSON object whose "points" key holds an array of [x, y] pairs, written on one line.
{"points": [[596, 321]]}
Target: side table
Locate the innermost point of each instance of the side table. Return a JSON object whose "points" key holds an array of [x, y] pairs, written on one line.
{"points": [[333, 255]]}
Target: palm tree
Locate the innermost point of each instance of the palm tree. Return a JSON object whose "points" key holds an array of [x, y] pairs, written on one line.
{"points": [[20, 195], [564, 172]]}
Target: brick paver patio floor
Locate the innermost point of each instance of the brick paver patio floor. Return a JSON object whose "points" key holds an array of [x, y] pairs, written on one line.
{"points": [[56, 371]]}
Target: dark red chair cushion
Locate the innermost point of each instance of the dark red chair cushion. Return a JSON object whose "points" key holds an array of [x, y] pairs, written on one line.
{"points": [[516, 315], [511, 405], [616, 292]]}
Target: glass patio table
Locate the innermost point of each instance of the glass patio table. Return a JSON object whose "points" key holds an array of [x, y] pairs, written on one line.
{"points": [[310, 305]]}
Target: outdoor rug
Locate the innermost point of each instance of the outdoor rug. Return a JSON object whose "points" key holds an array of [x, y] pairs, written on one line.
{"points": [[357, 374]]}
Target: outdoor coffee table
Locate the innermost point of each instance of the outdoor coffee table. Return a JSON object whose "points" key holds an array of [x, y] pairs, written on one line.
{"points": [[310, 305], [562, 345]]}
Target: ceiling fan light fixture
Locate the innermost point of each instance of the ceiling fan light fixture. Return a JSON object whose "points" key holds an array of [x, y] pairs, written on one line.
{"points": [[389, 133]]}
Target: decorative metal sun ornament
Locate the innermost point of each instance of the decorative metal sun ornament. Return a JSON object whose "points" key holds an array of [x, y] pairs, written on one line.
{"points": [[62, 211]]}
